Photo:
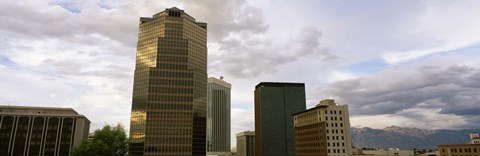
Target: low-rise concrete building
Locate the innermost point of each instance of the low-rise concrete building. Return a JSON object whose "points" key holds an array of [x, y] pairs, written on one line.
{"points": [[40, 130], [470, 149], [388, 152], [245, 143]]}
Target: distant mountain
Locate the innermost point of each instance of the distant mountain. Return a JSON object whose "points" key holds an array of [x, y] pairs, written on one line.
{"points": [[407, 138]]}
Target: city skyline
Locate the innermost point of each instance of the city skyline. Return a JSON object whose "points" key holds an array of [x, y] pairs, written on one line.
{"points": [[81, 54]]}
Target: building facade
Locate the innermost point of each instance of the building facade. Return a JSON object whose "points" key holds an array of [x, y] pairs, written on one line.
{"points": [[218, 117], [169, 105], [274, 105], [471, 149], [459, 150], [40, 130], [474, 138], [323, 130], [246, 143]]}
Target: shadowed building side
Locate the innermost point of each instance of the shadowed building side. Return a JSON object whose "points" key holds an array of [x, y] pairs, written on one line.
{"points": [[274, 105]]}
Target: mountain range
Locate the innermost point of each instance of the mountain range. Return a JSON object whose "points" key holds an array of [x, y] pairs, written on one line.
{"points": [[407, 138]]}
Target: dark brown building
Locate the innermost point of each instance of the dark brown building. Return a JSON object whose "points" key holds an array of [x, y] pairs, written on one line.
{"points": [[170, 86], [310, 140]]}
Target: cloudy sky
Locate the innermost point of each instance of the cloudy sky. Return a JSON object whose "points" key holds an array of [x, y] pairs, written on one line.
{"points": [[407, 63]]}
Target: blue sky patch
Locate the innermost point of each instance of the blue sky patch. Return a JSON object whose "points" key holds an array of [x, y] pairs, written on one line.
{"points": [[104, 5], [7, 62], [464, 51], [368, 66], [71, 6]]}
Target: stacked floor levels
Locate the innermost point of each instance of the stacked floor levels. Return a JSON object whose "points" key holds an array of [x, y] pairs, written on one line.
{"points": [[323, 130], [40, 130]]}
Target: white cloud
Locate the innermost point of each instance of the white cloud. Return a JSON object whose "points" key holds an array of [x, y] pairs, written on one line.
{"points": [[340, 76], [445, 26]]}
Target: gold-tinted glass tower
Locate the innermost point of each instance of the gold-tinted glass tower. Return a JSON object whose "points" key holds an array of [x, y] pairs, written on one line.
{"points": [[170, 86]]}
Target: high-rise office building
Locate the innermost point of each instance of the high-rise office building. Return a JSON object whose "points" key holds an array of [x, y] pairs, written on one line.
{"points": [[246, 143], [40, 130], [323, 130], [274, 105], [169, 105], [218, 117]]}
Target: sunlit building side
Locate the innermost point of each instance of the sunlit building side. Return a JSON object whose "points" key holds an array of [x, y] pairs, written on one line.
{"points": [[170, 86]]}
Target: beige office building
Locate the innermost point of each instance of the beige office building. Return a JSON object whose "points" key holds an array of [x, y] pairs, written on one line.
{"points": [[169, 105], [246, 143], [218, 117], [323, 130], [40, 130], [471, 149]]}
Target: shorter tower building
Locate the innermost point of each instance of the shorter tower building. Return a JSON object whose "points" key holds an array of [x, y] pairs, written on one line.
{"points": [[218, 117], [40, 130], [275, 103], [246, 143], [323, 130]]}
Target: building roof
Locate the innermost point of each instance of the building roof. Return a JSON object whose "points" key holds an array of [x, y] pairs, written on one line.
{"points": [[246, 133], [459, 145], [279, 84], [316, 107], [36, 107], [219, 82], [40, 111]]}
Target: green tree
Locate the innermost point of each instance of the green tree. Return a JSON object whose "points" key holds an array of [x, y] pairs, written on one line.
{"points": [[108, 141]]}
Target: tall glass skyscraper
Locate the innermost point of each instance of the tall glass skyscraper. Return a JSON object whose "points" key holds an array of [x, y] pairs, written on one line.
{"points": [[218, 117], [170, 86]]}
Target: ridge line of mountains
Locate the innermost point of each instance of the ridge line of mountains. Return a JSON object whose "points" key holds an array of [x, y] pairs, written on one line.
{"points": [[407, 138]]}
